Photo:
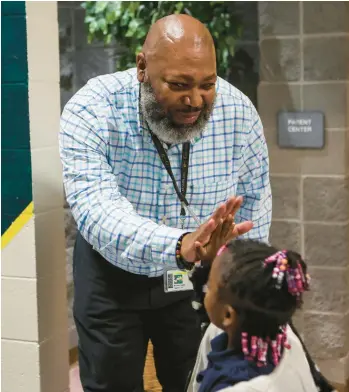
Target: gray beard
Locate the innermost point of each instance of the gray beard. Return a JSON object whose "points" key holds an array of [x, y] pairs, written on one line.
{"points": [[162, 125]]}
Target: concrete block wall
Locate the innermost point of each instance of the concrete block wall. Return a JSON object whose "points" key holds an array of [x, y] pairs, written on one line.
{"points": [[304, 51], [244, 70], [34, 336]]}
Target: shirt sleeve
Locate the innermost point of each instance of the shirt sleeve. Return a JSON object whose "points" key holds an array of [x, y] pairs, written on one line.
{"points": [[254, 182], [105, 218]]}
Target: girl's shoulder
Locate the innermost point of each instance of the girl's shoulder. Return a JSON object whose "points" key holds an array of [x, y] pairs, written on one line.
{"points": [[291, 375]]}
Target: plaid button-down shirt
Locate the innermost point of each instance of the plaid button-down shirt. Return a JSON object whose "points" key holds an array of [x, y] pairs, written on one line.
{"points": [[122, 197]]}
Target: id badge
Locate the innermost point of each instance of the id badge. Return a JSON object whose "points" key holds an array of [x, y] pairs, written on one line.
{"points": [[177, 280]]}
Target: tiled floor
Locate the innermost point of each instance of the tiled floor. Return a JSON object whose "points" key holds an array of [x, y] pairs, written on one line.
{"points": [[150, 381]]}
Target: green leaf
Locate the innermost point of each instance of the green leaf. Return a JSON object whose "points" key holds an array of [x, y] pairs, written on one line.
{"points": [[132, 27], [89, 19], [102, 24], [154, 17], [179, 6], [138, 49], [115, 12], [225, 56], [231, 42], [115, 6], [93, 26], [125, 18], [133, 7], [108, 39], [141, 32], [101, 6]]}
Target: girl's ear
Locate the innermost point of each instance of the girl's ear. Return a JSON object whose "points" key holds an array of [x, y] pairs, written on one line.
{"points": [[229, 316]]}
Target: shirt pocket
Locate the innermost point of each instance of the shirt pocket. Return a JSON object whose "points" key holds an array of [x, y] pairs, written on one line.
{"points": [[204, 198]]}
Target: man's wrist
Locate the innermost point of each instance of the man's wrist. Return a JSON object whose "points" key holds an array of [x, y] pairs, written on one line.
{"points": [[181, 262]]}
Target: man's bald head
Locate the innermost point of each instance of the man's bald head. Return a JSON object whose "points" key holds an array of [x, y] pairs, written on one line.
{"points": [[176, 31], [174, 38]]}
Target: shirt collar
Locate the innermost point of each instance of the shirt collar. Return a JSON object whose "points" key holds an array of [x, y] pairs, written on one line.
{"points": [[220, 348]]}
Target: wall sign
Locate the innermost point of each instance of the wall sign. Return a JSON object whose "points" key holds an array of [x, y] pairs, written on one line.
{"points": [[301, 130]]}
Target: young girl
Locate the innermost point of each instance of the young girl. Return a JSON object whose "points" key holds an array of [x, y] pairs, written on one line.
{"points": [[253, 290]]}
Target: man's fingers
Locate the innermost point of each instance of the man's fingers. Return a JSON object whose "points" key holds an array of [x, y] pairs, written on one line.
{"points": [[200, 251], [242, 228], [236, 205], [229, 204], [218, 231], [232, 205], [206, 230], [219, 213], [227, 226]]}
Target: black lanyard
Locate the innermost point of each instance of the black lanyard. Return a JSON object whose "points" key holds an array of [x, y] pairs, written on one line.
{"points": [[184, 169]]}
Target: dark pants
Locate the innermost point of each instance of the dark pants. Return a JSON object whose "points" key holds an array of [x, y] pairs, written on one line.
{"points": [[116, 313]]}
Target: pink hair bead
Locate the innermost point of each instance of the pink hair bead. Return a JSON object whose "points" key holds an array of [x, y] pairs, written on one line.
{"points": [[221, 250], [244, 343], [253, 346]]}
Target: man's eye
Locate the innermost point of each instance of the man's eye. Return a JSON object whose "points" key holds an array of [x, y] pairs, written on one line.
{"points": [[178, 85], [208, 86]]}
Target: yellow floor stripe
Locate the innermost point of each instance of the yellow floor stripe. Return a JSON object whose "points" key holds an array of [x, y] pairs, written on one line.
{"points": [[17, 225]]}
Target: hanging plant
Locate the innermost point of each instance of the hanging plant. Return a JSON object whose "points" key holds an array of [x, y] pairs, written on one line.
{"points": [[127, 22]]}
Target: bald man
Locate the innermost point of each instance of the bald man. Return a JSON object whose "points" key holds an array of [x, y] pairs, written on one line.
{"points": [[153, 158]]}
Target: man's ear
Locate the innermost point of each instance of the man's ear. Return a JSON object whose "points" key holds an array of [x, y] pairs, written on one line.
{"points": [[229, 316], [141, 67]]}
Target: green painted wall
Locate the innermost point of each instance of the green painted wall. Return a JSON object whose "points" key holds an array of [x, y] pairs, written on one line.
{"points": [[16, 179]]}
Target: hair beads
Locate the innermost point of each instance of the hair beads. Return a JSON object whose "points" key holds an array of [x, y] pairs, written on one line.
{"points": [[275, 352], [244, 343], [296, 281], [256, 348]]}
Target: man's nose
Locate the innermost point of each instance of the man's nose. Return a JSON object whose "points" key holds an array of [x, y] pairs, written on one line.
{"points": [[193, 99]]}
